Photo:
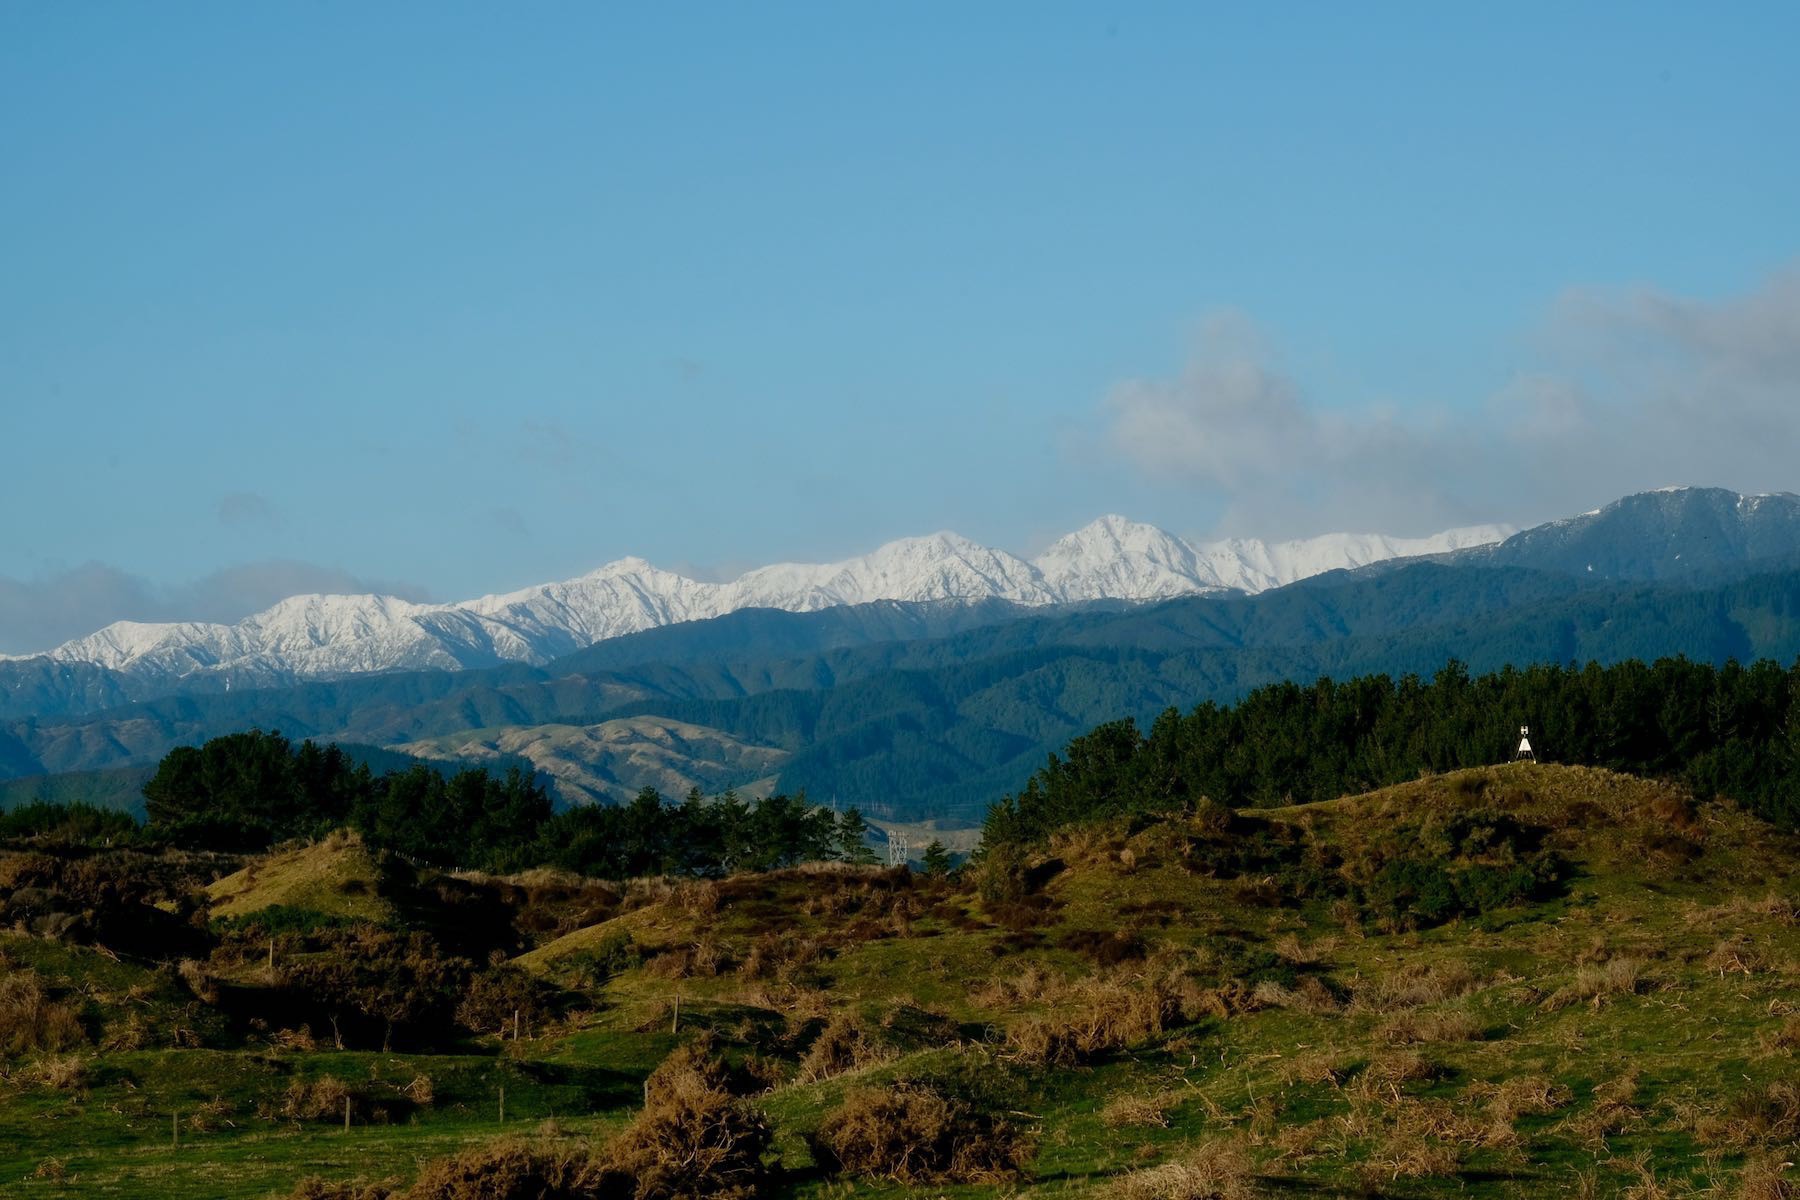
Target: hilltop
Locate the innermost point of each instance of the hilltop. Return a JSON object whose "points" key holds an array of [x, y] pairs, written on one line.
{"points": [[1501, 981]]}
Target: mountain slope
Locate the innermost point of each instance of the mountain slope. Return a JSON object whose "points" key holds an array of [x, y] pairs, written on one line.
{"points": [[1672, 534], [944, 726], [611, 761]]}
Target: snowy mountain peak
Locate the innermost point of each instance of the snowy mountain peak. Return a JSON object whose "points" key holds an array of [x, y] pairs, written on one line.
{"points": [[1112, 558]]}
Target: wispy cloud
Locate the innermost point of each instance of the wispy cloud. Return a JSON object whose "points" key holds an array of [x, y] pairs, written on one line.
{"points": [[1624, 389]]}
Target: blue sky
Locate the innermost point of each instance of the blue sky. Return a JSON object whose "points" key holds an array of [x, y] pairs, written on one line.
{"points": [[456, 298]]}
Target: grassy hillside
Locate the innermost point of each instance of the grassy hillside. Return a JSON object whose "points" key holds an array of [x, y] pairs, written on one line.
{"points": [[1510, 981], [336, 878]]}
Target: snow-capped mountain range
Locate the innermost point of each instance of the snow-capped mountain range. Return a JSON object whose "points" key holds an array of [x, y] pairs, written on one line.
{"points": [[318, 636]]}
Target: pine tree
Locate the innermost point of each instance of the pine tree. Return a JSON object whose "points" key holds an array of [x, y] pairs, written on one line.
{"points": [[936, 860], [853, 838]]}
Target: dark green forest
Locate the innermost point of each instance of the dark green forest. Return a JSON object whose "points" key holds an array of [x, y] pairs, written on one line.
{"points": [[1729, 730], [248, 791]]}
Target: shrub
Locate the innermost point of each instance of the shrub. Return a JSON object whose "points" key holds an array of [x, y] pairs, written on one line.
{"points": [[914, 1133], [780, 957], [1000, 875], [517, 1170], [1465, 864], [693, 1137], [314, 1188], [843, 1045], [612, 955], [320, 1099], [498, 997]]}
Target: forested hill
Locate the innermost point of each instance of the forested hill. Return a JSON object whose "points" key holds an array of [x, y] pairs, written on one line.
{"points": [[1730, 731], [941, 726]]}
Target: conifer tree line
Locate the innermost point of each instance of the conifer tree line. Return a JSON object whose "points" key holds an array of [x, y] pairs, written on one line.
{"points": [[246, 791], [1731, 730]]}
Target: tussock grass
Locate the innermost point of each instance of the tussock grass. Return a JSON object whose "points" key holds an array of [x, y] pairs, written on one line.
{"points": [[1137, 1110], [1598, 983], [1414, 1026], [1215, 1170], [30, 1019]]}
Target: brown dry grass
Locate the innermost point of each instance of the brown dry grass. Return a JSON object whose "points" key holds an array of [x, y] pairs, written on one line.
{"points": [[1104, 1016], [1384, 1076], [30, 1020], [1768, 1177], [1309, 995], [1217, 1170], [1765, 1116], [1411, 1026], [1414, 985], [1611, 1112], [1136, 1110], [1521, 1096], [59, 1073], [1597, 983], [1411, 1138]]}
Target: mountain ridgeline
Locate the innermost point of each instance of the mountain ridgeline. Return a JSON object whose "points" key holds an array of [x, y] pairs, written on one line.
{"points": [[319, 636], [915, 710]]}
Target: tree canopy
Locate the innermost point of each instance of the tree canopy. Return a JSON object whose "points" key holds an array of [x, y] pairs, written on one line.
{"points": [[1731, 730]]}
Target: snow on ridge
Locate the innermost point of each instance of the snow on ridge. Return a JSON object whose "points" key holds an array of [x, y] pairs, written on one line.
{"points": [[324, 636]]}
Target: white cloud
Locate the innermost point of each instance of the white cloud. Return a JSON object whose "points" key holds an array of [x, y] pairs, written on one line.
{"points": [[1230, 419], [1624, 389]]}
